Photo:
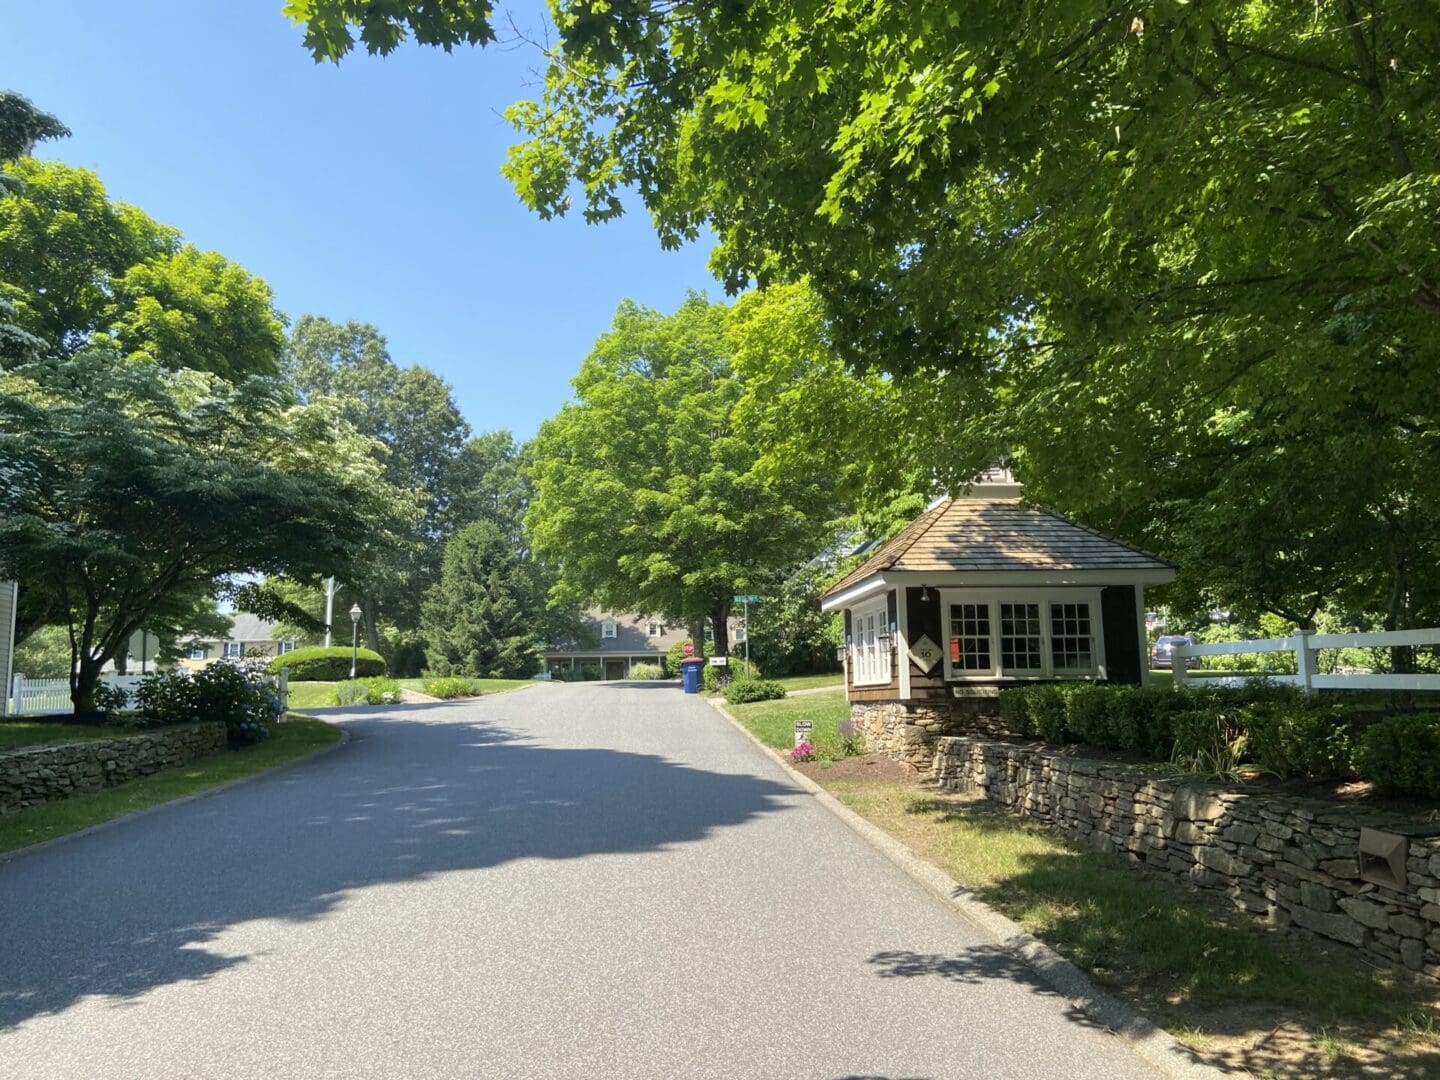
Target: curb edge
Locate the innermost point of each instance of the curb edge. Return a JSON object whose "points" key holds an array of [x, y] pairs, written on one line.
{"points": [[1142, 1035]]}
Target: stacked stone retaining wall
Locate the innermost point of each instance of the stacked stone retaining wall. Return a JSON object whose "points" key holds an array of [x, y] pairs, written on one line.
{"points": [[906, 731], [43, 774], [1290, 861]]}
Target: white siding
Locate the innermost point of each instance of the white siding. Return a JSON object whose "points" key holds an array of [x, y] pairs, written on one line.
{"points": [[7, 640]]}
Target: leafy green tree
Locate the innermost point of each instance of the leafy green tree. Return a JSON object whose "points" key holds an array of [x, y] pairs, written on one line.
{"points": [[22, 125], [491, 481], [81, 268], [126, 486], [647, 496], [419, 434], [788, 632], [1137, 247], [486, 613]]}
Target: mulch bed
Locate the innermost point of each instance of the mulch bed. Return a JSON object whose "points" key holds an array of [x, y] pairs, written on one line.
{"points": [[874, 767]]}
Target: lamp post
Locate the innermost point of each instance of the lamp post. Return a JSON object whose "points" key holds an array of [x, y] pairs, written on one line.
{"points": [[355, 614]]}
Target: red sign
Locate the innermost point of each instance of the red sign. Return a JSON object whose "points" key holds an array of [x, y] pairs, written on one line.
{"points": [[689, 648], [954, 650]]}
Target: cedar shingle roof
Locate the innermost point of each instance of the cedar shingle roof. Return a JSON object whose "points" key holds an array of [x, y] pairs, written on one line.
{"points": [[992, 534]]}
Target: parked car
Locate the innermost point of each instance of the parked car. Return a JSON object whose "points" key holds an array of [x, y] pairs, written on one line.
{"points": [[1163, 654]]}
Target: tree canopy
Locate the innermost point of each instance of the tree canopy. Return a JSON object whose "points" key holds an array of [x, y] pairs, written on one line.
{"points": [[126, 486], [418, 433], [486, 614], [82, 269], [647, 497]]}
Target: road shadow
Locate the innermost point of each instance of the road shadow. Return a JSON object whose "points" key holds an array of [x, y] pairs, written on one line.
{"points": [[415, 794]]}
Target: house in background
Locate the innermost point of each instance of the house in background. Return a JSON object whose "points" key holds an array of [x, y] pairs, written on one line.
{"points": [[978, 593], [9, 591], [249, 636], [621, 642]]}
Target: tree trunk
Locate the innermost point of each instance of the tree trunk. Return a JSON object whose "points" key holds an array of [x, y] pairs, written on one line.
{"points": [[697, 635], [122, 661], [720, 618], [86, 679], [367, 620]]}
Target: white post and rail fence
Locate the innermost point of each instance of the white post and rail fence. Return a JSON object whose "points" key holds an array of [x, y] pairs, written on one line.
{"points": [[1306, 647], [32, 696]]}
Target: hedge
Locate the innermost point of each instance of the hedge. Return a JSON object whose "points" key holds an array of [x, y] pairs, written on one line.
{"points": [[1401, 755], [316, 663], [741, 691], [1283, 732]]}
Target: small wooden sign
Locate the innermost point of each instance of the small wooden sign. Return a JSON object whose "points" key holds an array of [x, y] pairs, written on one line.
{"points": [[925, 654]]}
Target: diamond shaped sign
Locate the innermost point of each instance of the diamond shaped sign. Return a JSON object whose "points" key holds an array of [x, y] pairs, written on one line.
{"points": [[925, 654]]}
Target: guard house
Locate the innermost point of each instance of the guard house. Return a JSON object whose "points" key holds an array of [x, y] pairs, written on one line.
{"points": [[978, 593]]}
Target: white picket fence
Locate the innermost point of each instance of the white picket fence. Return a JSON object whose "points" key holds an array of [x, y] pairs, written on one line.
{"points": [[1305, 645], [29, 696]]}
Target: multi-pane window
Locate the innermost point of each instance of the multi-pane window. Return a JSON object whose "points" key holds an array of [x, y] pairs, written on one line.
{"points": [[970, 637], [1072, 638], [1022, 634], [197, 652], [653, 629], [282, 647], [1020, 641], [607, 628], [233, 650], [870, 646]]}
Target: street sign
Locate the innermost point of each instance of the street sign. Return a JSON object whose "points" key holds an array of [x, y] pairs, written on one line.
{"points": [[719, 661], [750, 599], [802, 731]]}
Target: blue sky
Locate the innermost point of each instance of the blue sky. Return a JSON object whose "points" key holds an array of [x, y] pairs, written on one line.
{"points": [[369, 191]]}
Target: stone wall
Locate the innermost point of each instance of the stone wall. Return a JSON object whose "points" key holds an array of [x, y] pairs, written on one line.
{"points": [[1290, 861], [907, 730], [45, 773]]}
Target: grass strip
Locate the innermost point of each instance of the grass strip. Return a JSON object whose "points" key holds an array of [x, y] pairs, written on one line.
{"points": [[290, 739], [812, 682], [23, 734], [1219, 982], [773, 722]]}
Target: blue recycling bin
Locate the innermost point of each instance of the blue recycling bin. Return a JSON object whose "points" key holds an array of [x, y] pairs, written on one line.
{"points": [[691, 676]]}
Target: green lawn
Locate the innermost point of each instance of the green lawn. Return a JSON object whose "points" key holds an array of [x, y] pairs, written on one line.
{"points": [[809, 682], [312, 695], [773, 722], [1197, 971], [292, 738], [15, 734], [319, 695]]}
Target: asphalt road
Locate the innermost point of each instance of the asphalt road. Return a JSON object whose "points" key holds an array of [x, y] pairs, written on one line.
{"points": [[589, 880]]}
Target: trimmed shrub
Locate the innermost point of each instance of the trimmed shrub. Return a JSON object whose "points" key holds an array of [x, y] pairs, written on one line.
{"points": [[1047, 712], [646, 672], [742, 690], [374, 691], [1087, 714], [1401, 755], [316, 663], [591, 673], [1015, 710], [674, 656], [1290, 738]]}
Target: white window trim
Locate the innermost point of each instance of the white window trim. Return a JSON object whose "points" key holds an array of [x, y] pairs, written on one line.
{"points": [[201, 649], [237, 646], [609, 629], [878, 669], [654, 629], [1043, 597]]}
